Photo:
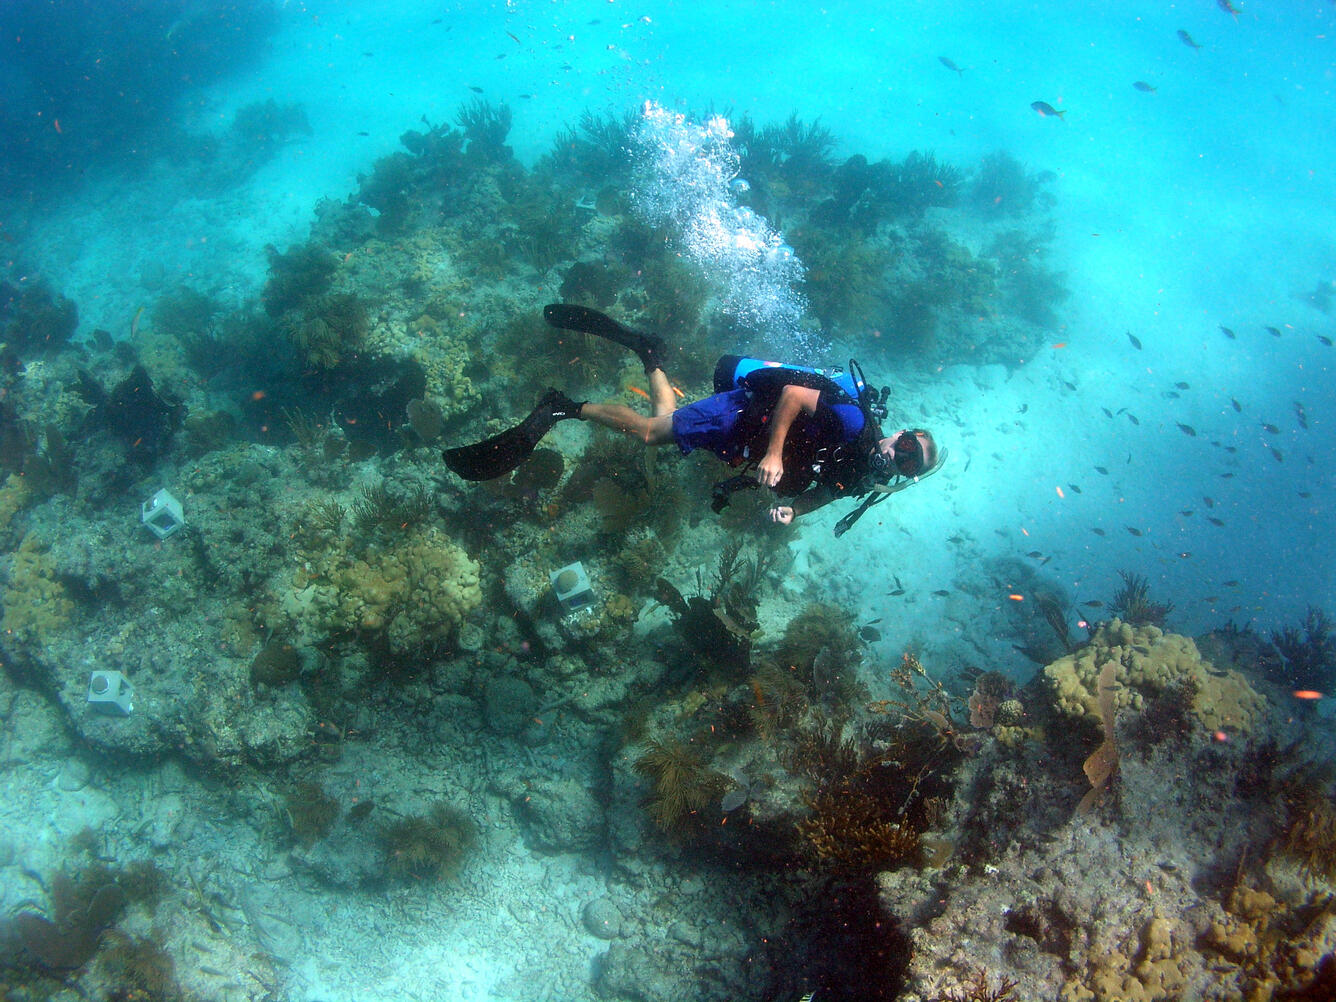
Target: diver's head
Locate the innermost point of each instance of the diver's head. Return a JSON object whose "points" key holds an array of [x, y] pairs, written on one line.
{"points": [[910, 452]]}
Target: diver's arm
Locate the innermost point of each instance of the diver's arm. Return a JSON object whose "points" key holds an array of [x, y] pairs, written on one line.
{"points": [[792, 401], [808, 501]]}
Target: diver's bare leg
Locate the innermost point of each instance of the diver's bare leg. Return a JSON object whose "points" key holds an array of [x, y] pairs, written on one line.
{"points": [[661, 396], [651, 430]]}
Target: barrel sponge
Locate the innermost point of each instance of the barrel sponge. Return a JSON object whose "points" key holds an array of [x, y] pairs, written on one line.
{"points": [[1149, 662]]}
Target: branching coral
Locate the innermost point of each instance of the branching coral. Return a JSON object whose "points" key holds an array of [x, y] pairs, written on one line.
{"points": [[330, 328], [1133, 605], [300, 275], [485, 128], [430, 846], [1308, 652], [681, 782]]}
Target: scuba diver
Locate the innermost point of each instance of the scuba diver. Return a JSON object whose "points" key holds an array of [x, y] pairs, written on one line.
{"points": [[809, 435]]}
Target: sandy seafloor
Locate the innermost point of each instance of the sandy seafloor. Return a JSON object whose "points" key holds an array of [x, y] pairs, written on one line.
{"points": [[1209, 202]]}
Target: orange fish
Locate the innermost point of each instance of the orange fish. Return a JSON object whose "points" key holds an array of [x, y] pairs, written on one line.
{"points": [[637, 389], [1306, 694]]}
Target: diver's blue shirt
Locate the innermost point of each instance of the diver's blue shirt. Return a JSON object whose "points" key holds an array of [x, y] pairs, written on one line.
{"points": [[727, 425]]}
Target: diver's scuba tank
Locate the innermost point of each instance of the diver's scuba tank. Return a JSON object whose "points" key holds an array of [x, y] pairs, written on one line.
{"points": [[734, 372], [737, 373]]}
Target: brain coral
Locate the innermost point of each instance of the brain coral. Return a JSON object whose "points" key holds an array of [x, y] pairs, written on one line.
{"points": [[1149, 662], [414, 592]]}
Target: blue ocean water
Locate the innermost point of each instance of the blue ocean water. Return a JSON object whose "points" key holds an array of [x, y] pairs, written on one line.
{"points": [[1176, 419]]}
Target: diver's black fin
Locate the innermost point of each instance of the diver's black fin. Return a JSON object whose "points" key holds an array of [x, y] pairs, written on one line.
{"points": [[502, 453], [587, 321]]}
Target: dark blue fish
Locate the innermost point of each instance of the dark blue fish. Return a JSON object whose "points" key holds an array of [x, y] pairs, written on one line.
{"points": [[1228, 8], [1136, 342], [1226, 332], [1047, 110], [1186, 39], [950, 65], [1144, 87]]}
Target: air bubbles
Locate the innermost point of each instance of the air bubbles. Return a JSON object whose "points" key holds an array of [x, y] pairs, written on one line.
{"points": [[686, 179]]}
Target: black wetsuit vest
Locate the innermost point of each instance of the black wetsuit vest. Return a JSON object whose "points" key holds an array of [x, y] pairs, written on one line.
{"points": [[817, 449]]}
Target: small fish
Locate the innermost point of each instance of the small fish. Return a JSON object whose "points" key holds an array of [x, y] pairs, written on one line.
{"points": [[1231, 584], [1305, 494], [1094, 603], [1273, 331], [1133, 530], [897, 581], [1171, 395], [1225, 476], [1098, 532], [1186, 512], [526, 97], [1187, 430], [896, 592], [1107, 413], [941, 593], [1238, 407], [1144, 87], [1022, 408], [955, 539], [1033, 554], [364, 133], [1324, 339], [1070, 386], [1270, 429], [1228, 8], [1186, 39], [1300, 415], [1074, 489], [1183, 386], [1136, 342], [476, 90], [868, 635], [950, 65], [1101, 470], [1134, 419], [1047, 110], [1227, 332], [1209, 502], [1213, 520], [1277, 454], [514, 38]]}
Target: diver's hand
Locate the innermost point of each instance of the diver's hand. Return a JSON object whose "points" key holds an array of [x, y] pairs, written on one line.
{"points": [[781, 514], [770, 470]]}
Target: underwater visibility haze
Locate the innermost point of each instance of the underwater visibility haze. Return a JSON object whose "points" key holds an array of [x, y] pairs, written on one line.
{"points": [[351, 652]]}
